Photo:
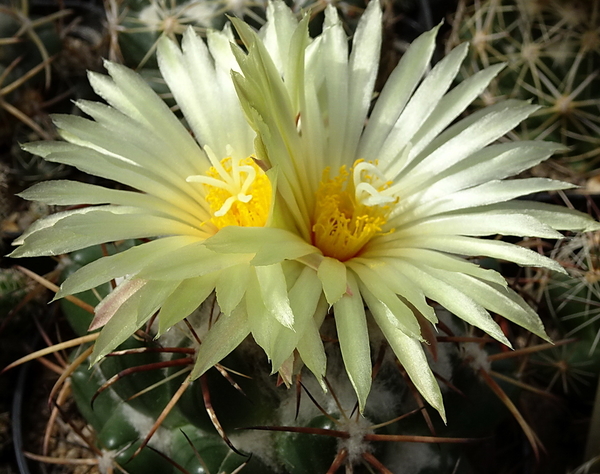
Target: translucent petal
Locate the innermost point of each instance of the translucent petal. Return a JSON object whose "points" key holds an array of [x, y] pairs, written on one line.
{"points": [[400, 284], [277, 33], [491, 163], [332, 274], [99, 225], [231, 286], [334, 48], [273, 287], [151, 110], [206, 97], [351, 324], [166, 152], [144, 150], [488, 128], [184, 300], [264, 326], [190, 261], [104, 166], [106, 88], [451, 106], [489, 193], [445, 262], [310, 346], [558, 217], [128, 262], [294, 63], [409, 352], [453, 299], [237, 132], [498, 299], [471, 120], [68, 193], [49, 221], [381, 297], [479, 222], [472, 247], [420, 106], [270, 245], [396, 93], [222, 338], [304, 297], [130, 316], [363, 67], [196, 94]]}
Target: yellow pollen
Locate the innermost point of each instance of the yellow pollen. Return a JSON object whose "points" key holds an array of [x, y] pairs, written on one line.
{"points": [[343, 224], [238, 194]]}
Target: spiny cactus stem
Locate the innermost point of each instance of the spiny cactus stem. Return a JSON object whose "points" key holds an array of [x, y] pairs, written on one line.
{"points": [[338, 461], [55, 348], [529, 433], [213, 416], [140, 368], [418, 398], [52, 287], [478, 340], [145, 350], [77, 430], [176, 396], [529, 350], [373, 461], [61, 399], [67, 371]]}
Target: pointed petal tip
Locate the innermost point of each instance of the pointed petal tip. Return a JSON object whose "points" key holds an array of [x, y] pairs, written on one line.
{"points": [[57, 296], [14, 253], [592, 226], [442, 412]]}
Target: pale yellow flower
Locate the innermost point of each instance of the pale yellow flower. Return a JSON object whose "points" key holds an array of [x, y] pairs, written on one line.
{"points": [[188, 186], [393, 200]]}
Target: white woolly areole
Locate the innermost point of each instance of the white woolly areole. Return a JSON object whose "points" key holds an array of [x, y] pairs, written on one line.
{"points": [[475, 356], [412, 458], [161, 440], [106, 461], [158, 17], [259, 443], [443, 365], [356, 445]]}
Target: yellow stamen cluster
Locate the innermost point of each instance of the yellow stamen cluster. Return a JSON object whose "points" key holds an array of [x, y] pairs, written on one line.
{"points": [[239, 194], [343, 224]]}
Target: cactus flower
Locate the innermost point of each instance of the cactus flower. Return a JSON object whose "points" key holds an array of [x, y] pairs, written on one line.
{"points": [[178, 190], [290, 196], [395, 196]]}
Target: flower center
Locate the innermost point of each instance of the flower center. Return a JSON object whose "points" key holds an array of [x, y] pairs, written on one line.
{"points": [[349, 212], [238, 193]]}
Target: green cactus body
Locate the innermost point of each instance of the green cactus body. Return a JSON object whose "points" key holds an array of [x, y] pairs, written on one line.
{"points": [[188, 437], [552, 53]]}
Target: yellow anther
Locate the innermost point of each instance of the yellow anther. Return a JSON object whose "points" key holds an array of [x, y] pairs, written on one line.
{"points": [[238, 194], [343, 222]]}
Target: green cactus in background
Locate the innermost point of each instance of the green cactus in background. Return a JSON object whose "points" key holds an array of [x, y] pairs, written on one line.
{"points": [[552, 52], [573, 300], [135, 26]]}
